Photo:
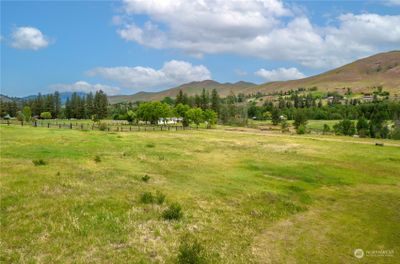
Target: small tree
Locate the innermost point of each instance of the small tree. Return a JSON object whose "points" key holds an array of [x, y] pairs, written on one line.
{"points": [[181, 110], [45, 115], [300, 118], [284, 125], [195, 115], [27, 113], [275, 116], [345, 127], [130, 116], [210, 117], [362, 127]]}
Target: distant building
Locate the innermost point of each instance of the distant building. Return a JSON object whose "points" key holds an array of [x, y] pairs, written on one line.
{"points": [[170, 120], [368, 98]]}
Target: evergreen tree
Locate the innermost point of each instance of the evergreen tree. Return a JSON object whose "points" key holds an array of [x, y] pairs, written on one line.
{"points": [[57, 105], [215, 101], [205, 99], [275, 116]]}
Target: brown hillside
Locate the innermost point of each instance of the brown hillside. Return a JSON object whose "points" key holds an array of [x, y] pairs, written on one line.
{"points": [[361, 76]]}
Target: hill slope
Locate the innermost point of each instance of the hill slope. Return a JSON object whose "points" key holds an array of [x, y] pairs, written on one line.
{"points": [[361, 76], [191, 88]]}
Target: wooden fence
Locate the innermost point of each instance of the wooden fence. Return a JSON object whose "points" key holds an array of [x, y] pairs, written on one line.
{"points": [[111, 127]]}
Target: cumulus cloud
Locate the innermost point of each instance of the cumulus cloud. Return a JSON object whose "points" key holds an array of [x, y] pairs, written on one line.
{"points": [[29, 38], [280, 74], [258, 28], [172, 73], [82, 86]]}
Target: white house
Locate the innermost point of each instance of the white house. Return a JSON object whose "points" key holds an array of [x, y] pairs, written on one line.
{"points": [[169, 120]]}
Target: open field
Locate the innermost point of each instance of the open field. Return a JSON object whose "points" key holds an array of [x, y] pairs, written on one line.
{"points": [[247, 197]]}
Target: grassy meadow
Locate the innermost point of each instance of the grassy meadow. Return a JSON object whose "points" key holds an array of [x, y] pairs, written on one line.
{"points": [[70, 196]]}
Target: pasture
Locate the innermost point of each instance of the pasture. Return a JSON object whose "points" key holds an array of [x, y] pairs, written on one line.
{"points": [[71, 196]]}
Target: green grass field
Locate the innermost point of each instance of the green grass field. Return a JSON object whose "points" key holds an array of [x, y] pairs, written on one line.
{"points": [[247, 197]]}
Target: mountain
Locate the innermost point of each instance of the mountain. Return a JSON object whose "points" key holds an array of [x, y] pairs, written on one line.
{"points": [[361, 76], [6, 98], [191, 88]]}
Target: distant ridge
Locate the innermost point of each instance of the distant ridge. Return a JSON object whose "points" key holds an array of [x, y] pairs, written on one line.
{"points": [[361, 76], [191, 88]]}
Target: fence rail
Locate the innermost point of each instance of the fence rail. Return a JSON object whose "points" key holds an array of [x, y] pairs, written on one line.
{"points": [[110, 127]]}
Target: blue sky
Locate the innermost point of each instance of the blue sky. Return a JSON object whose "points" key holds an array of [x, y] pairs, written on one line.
{"points": [[130, 46]]}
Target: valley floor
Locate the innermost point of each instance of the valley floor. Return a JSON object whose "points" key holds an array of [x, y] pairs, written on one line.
{"points": [[247, 196]]}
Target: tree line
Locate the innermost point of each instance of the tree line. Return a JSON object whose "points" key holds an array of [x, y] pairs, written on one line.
{"points": [[49, 106]]}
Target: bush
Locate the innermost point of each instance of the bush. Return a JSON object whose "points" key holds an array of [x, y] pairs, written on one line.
{"points": [[160, 197], [45, 115], [97, 158], [191, 251], [345, 127], [174, 212], [39, 162], [103, 127], [326, 129], [146, 198], [301, 129], [145, 178]]}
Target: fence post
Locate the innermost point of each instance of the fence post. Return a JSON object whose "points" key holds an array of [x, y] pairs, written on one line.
{"points": [[130, 128], [59, 125], [8, 122], [35, 123], [22, 122], [81, 126], [70, 125], [48, 125]]}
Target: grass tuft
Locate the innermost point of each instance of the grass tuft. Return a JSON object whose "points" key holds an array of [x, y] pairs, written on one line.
{"points": [[145, 178], [39, 162], [174, 212]]}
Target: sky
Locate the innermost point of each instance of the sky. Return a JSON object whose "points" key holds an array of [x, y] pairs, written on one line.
{"points": [[124, 47]]}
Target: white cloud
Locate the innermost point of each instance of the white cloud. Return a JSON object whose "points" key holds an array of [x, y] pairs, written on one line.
{"points": [[260, 28], [82, 86], [172, 73], [28, 38], [392, 2], [280, 74]]}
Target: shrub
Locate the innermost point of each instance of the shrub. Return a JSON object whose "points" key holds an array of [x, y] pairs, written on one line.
{"points": [[174, 212], [145, 178], [300, 119], [39, 162], [103, 127], [97, 158], [45, 115], [146, 198], [191, 251], [326, 129], [160, 197], [345, 127], [301, 129]]}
